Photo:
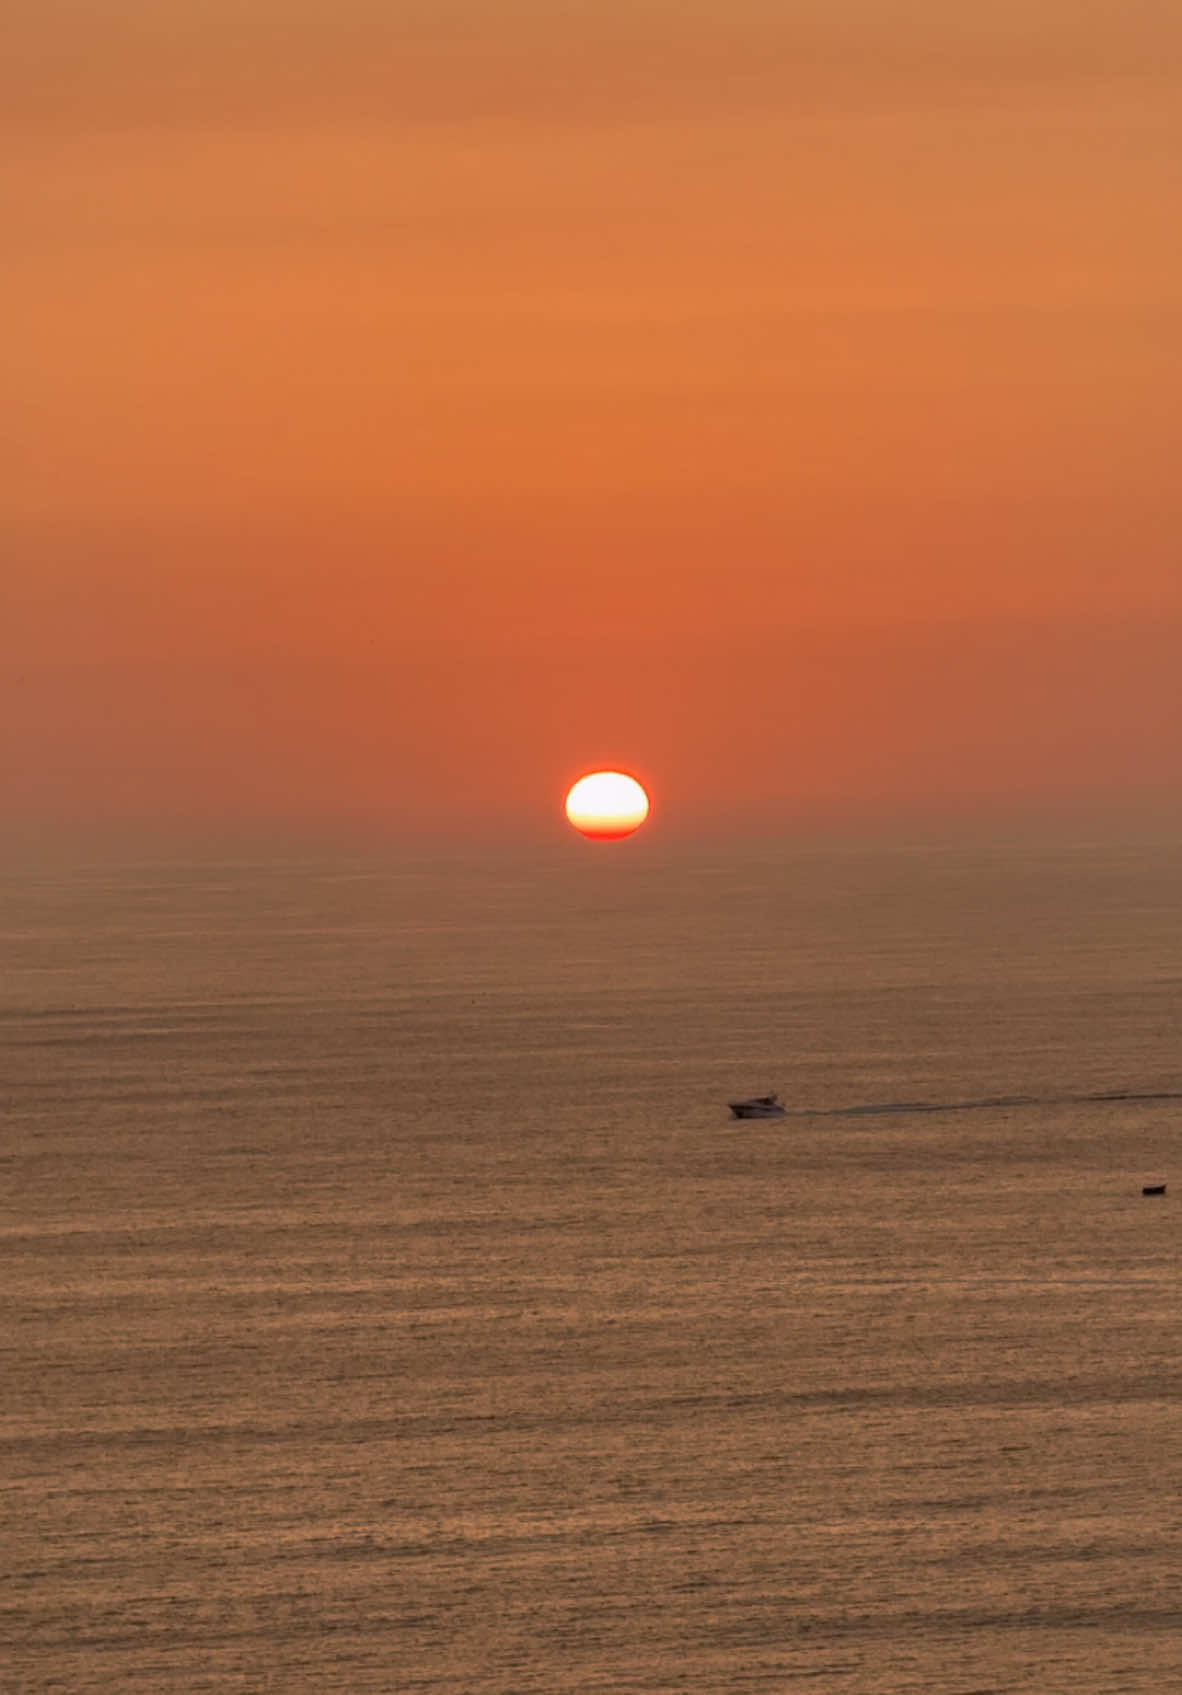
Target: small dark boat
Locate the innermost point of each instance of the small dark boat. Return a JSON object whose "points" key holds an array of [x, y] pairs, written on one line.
{"points": [[1154, 1189], [759, 1106]]}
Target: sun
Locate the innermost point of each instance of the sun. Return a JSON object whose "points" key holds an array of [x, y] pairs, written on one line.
{"points": [[607, 805]]}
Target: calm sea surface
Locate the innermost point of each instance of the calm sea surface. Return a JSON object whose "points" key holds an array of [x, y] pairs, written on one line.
{"points": [[389, 1303]]}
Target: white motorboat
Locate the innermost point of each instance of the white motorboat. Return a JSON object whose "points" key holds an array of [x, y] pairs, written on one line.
{"points": [[759, 1106]]}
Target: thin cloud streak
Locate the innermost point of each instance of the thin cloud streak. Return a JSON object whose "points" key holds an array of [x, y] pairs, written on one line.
{"points": [[119, 64]]}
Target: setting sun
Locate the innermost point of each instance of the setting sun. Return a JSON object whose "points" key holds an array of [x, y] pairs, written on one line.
{"points": [[607, 805]]}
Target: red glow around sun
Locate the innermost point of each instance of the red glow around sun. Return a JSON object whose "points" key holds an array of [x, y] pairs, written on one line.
{"points": [[607, 805]]}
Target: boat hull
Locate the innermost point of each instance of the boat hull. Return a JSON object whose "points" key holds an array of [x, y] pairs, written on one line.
{"points": [[756, 1109]]}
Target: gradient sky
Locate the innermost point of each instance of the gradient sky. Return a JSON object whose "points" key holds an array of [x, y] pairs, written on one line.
{"points": [[409, 405]]}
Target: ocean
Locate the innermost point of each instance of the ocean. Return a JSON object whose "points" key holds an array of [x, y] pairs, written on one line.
{"points": [[391, 1303]]}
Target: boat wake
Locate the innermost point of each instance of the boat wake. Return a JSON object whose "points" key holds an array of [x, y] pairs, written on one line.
{"points": [[877, 1109]]}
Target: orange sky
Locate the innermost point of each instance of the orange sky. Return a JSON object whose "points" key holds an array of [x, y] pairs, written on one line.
{"points": [[407, 405]]}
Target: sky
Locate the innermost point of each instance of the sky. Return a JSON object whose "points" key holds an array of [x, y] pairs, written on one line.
{"points": [[409, 407]]}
